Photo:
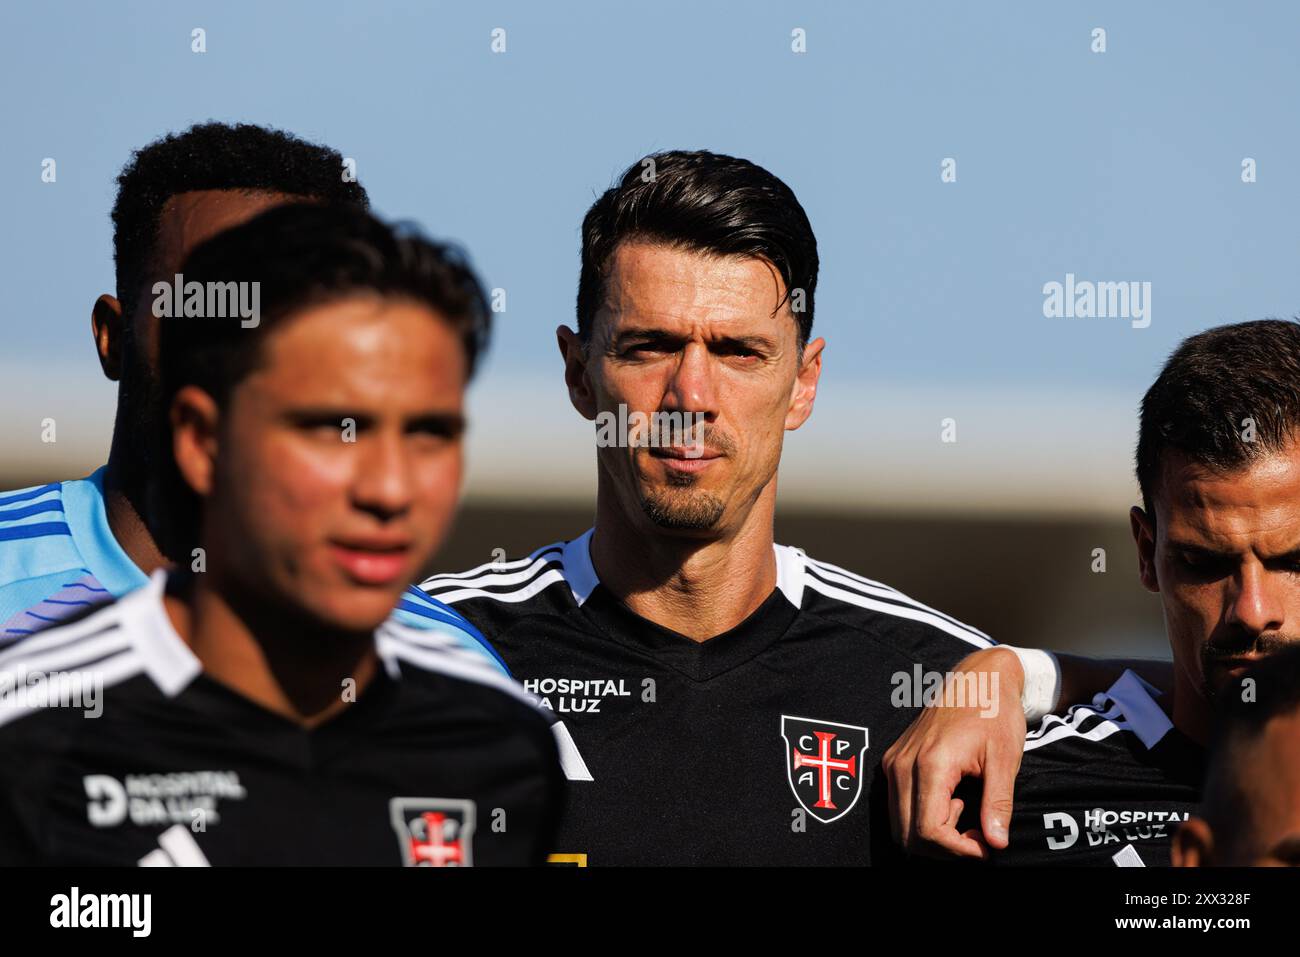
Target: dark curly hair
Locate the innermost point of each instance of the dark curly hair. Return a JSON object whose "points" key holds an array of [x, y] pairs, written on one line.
{"points": [[213, 156]]}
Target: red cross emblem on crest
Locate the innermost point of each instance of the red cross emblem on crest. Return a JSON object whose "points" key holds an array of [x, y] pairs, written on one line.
{"points": [[433, 832], [824, 764]]}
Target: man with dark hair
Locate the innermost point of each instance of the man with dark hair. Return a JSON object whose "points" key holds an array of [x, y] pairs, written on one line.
{"points": [[1218, 538], [264, 710], [66, 546], [728, 694], [1250, 815]]}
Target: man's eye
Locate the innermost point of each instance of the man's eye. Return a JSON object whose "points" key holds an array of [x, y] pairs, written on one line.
{"points": [[743, 353], [330, 429], [436, 428], [440, 431], [1204, 566]]}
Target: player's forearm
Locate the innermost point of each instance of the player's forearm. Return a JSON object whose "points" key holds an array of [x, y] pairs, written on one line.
{"points": [[1083, 677]]}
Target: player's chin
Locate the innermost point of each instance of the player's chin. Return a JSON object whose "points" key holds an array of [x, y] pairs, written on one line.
{"points": [[359, 608], [1218, 675]]}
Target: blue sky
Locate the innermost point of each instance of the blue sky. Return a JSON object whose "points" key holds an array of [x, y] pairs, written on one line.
{"points": [[1114, 166]]}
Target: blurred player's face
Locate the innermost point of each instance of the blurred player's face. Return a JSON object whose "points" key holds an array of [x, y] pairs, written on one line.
{"points": [[1268, 778], [1224, 554], [684, 332], [334, 469]]}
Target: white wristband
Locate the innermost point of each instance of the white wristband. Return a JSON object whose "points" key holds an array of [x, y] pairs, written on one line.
{"points": [[1042, 691]]}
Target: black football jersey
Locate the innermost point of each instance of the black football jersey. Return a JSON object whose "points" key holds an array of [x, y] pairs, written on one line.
{"points": [[1108, 784], [117, 749], [759, 746]]}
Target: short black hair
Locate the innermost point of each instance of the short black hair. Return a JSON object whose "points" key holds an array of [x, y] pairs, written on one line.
{"points": [[1212, 383], [242, 156], [704, 202], [301, 255], [1274, 692]]}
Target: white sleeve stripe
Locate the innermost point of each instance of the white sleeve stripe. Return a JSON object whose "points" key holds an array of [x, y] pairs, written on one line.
{"points": [[113, 670], [861, 579], [901, 611], [68, 657], [487, 569], [60, 635], [492, 578], [523, 594], [884, 591], [1102, 730]]}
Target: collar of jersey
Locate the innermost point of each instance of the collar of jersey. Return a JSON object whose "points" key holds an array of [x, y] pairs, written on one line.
{"points": [[173, 667], [167, 659], [1136, 700], [582, 579], [699, 660]]}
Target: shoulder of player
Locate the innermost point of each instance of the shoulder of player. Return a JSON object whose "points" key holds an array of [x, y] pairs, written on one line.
{"points": [[556, 577], [417, 610], [38, 555], [883, 612], [422, 656], [34, 508], [1119, 724], [77, 659]]}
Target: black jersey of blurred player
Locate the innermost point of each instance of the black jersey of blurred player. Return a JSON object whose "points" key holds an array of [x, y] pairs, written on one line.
{"points": [[1108, 784], [440, 760], [758, 746]]}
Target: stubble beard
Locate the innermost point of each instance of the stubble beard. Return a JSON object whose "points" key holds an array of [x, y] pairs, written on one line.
{"points": [[679, 507]]}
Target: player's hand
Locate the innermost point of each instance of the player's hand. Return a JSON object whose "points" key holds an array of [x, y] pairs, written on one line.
{"points": [[945, 744]]}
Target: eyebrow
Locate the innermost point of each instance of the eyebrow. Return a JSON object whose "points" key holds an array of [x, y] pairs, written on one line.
{"points": [[756, 342], [1202, 551], [319, 415], [1199, 550]]}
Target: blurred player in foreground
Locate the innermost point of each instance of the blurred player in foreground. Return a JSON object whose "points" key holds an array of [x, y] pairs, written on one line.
{"points": [[1218, 538], [1251, 812], [256, 707]]}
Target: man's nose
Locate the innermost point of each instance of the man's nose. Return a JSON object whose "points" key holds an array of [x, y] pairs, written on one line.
{"points": [[382, 483], [1256, 606], [691, 388]]}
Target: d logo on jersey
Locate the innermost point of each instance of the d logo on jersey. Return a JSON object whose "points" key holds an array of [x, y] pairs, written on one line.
{"points": [[824, 765], [433, 832]]}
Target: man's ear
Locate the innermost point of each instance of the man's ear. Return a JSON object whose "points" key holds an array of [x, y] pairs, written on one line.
{"points": [[109, 330], [194, 419], [805, 385], [575, 372], [1144, 536], [1193, 844]]}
